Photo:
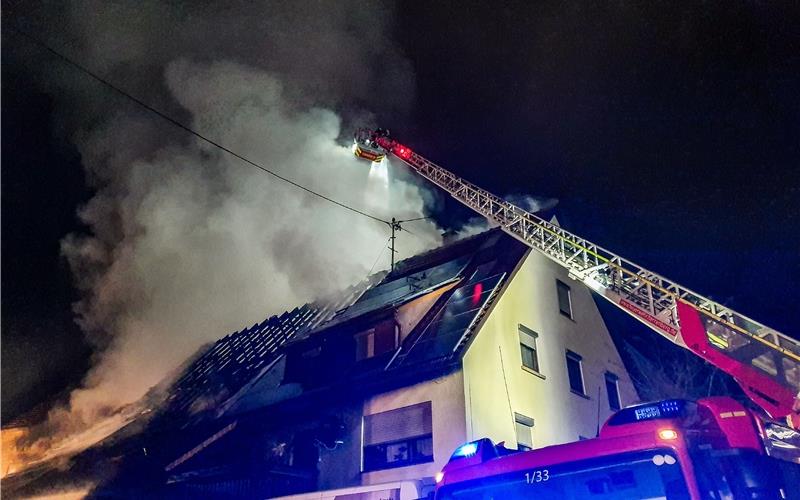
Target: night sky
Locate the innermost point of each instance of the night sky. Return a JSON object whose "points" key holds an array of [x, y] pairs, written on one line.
{"points": [[669, 134]]}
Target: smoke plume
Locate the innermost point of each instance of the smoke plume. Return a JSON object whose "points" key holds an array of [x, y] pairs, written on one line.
{"points": [[186, 243], [531, 203]]}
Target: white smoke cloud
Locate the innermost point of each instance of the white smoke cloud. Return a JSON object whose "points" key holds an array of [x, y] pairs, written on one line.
{"points": [[531, 203], [208, 244], [188, 243]]}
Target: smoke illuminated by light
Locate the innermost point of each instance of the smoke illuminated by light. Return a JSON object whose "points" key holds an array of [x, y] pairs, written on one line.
{"points": [[377, 189], [191, 219], [380, 171]]}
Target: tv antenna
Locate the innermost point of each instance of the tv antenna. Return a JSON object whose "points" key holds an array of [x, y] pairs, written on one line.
{"points": [[396, 226]]}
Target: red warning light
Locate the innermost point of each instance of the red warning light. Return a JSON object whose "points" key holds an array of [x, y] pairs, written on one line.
{"points": [[402, 151], [477, 290]]}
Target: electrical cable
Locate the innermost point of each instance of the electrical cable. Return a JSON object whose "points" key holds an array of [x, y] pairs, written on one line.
{"points": [[379, 257], [414, 220], [412, 233], [186, 128]]}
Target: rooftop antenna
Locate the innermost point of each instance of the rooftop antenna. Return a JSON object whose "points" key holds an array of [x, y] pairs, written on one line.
{"points": [[395, 225]]}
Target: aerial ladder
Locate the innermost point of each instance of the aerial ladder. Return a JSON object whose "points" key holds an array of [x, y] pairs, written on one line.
{"points": [[763, 361]]}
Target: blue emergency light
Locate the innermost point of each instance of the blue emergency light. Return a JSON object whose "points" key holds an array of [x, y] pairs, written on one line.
{"points": [[466, 450]]}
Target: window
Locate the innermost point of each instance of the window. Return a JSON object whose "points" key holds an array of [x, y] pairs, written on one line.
{"points": [[524, 428], [575, 372], [612, 388], [365, 345], [527, 347], [398, 437], [382, 338], [564, 299]]}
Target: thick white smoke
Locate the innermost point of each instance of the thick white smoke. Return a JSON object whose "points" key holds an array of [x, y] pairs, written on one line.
{"points": [[210, 244], [188, 243], [204, 244]]}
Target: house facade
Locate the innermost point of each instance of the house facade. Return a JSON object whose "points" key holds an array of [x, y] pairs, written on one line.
{"points": [[541, 369], [481, 338], [377, 386]]}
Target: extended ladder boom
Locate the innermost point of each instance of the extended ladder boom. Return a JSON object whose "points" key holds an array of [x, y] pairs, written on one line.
{"points": [[764, 362]]}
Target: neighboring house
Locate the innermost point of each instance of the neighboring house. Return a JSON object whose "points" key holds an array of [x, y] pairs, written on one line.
{"points": [[479, 338]]}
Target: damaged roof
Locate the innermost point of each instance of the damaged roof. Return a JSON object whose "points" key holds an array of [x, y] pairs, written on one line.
{"points": [[234, 360], [470, 275], [248, 370]]}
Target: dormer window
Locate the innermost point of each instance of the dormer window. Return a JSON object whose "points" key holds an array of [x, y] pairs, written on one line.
{"points": [[383, 337]]}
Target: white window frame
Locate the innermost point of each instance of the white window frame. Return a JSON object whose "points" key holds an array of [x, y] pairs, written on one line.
{"points": [[579, 359], [528, 423], [523, 331], [570, 314]]}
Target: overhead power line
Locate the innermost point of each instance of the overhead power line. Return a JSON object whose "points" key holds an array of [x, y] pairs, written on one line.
{"points": [[165, 116], [416, 219], [378, 257]]}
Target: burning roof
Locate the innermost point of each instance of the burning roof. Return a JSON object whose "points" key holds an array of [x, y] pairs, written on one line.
{"points": [[235, 359], [238, 373]]}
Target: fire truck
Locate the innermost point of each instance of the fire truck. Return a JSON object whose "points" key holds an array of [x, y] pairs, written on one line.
{"points": [[674, 449], [712, 448]]}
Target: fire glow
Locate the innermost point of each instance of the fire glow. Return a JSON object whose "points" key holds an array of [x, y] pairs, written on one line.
{"points": [[20, 452]]}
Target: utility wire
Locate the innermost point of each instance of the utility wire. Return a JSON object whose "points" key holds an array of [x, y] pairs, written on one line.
{"points": [[186, 128], [378, 258], [414, 220]]}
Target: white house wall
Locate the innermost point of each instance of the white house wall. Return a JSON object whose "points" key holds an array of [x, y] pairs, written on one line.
{"points": [[446, 395], [480, 400], [496, 384]]}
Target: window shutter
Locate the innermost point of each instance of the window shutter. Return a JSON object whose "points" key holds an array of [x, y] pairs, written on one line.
{"points": [[523, 426], [527, 336], [398, 424]]}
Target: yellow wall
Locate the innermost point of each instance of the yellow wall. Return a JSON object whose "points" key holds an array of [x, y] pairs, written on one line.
{"points": [[479, 400], [494, 389]]}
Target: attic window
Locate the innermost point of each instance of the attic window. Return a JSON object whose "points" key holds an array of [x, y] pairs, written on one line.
{"points": [[384, 337]]}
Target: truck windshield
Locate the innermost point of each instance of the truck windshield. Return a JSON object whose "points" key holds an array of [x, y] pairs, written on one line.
{"points": [[653, 474]]}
